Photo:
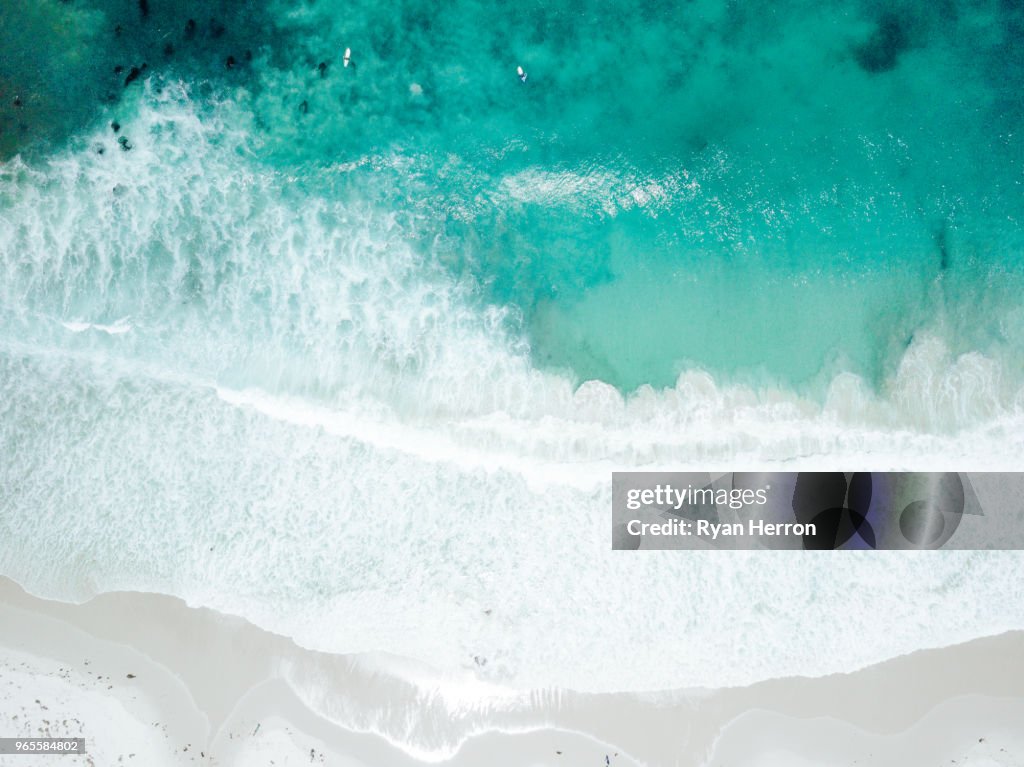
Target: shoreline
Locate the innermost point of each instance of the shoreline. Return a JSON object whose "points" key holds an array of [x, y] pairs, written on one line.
{"points": [[207, 688]]}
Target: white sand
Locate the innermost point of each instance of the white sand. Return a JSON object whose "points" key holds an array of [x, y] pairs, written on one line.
{"points": [[214, 690]]}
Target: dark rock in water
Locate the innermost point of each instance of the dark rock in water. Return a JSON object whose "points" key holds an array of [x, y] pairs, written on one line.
{"points": [[144, 8], [941, 236], [322, 68], [190, 29], [115, 126], [230, 63], [133, 74], [883, 49], [118, 69], [125, 144]]}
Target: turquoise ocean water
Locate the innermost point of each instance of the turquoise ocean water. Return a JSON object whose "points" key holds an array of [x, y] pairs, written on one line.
{"points": [[298, 340], [767, 191]]}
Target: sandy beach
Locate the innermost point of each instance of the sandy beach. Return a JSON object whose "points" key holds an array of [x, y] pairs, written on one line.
{"points": [[148, 680]]}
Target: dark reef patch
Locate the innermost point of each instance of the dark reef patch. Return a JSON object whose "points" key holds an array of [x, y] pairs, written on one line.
{"points": [[881, 52], [941, 237], [65, 62]]}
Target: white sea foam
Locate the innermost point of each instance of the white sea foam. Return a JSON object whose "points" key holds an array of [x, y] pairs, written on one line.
{"points": [[117, 328], [600, 187], [312, 425]]}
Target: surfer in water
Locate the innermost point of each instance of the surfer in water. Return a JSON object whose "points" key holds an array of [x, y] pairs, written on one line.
{"points": [[348, 58], [522, 74]]}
